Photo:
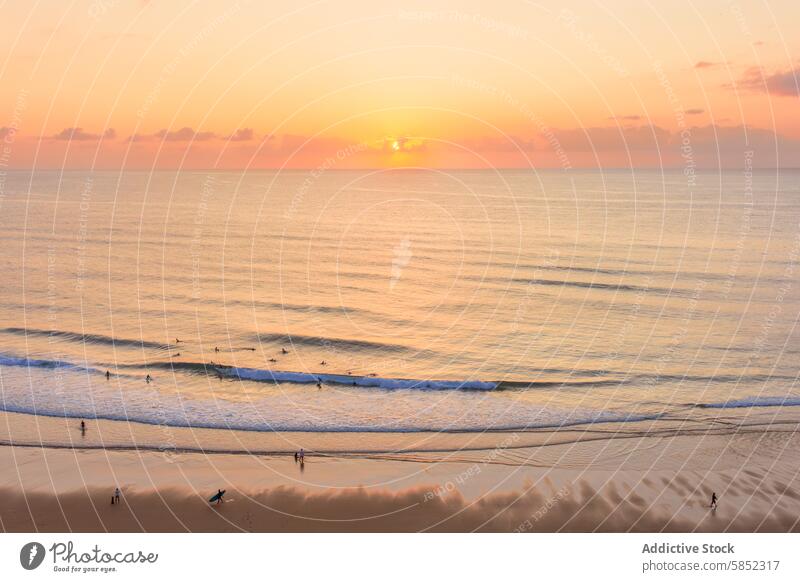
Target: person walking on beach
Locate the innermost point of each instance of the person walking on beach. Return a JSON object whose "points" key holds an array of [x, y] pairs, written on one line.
{"points": [[148, 379], [116, 495], [108, 375], [713, 500], [302, 456], [220, 493], [295, 457], [83, 428]]}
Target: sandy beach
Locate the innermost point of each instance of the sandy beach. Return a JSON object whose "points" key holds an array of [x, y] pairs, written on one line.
{"points": [[544, 481]]}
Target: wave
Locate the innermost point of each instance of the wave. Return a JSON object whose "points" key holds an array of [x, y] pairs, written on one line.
{"points": [[260, 375], [372, 381], [332, 343], [754, 402], [52, 364], [86, 338], [600, 286]]}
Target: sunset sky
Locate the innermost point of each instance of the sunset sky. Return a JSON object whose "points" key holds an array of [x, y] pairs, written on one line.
{"points": [[136, 84]]}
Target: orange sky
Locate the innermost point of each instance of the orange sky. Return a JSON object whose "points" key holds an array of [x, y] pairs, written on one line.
{"points": [[136, 84]]}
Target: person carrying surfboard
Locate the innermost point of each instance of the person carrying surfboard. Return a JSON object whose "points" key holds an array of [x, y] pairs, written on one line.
{"points": [[217, 497]]}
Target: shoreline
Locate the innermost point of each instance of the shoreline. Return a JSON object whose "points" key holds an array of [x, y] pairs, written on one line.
{"points": [[29, 430]]}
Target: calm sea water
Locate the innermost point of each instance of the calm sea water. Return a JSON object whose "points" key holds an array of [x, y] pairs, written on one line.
{"points": [[419, 300]]}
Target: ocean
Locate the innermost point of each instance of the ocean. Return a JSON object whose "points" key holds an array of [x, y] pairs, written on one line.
{"points": [[399, 300]]}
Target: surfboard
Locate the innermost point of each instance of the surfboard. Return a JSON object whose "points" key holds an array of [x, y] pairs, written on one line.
{"points": [[217, 496]]}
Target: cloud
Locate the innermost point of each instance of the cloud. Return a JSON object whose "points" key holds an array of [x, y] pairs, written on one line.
{"points": [[643, 137], [242, 134], [785, 83], [694, 111], [647, 145], [179, 135], [706, 65], [626, 118], [77, 134], [500, 144], [401, 144], [185, 134]]}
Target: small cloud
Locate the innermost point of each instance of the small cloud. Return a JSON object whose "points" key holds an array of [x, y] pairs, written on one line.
{"points": [[786, 83], [626, 118], [185, 134], [402, 144], [77, 134], [510, 143], [139, 137], [243, 134], [694, 111], [705, 65]]}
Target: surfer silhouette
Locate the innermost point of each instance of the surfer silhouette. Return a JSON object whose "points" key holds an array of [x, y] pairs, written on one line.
{"points": [[148, 379], [216, 349], [108, 375], [713, 500], [83, 428], [284, 351], [218, 496]]}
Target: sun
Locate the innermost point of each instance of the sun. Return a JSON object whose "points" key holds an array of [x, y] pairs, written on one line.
{"points": [[396, 145]]}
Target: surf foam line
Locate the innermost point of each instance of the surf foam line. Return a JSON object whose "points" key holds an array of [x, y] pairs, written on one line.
{"points": [[755, 402], [195, 422], [258, 375], [288, 377], [51, 364]]}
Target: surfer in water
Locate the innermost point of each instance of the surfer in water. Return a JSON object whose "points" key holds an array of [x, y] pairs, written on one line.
{"points": [[323, 363], [148, 379], [284, 351], [713, 500], [216, 349], [177, 341], [108, 375]]}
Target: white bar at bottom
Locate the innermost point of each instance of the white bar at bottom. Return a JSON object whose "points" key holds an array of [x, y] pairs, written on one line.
{"points": [[405, 557]]}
